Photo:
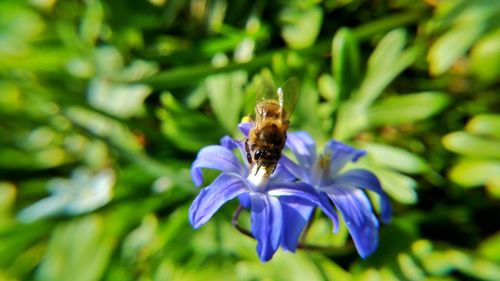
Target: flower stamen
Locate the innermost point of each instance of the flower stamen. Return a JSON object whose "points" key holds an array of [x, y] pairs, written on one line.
{"points": [[321, 168]]}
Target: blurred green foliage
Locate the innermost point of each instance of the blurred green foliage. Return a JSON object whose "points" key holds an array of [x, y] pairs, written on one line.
{"points": [[104, 104]]}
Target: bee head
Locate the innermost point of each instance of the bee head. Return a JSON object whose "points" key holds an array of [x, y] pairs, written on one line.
{"points": [[258, 154]]}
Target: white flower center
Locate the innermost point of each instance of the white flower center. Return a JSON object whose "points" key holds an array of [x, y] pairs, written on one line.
{"points": [[258, 178]]}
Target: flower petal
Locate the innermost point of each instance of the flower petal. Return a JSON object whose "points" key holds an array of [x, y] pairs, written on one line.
{"points": [[229, 143], [224, 188], [245, 127], [341, 155], [232, 144], [307, 192], [281, 173], [296, 214], [365, 179], [358, 216], [215, 157], [294, 169], [245, 200], [267, 224], [304, 148]]}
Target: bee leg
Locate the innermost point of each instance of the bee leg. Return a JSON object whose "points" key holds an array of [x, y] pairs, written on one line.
{"points": [[247, 150]]}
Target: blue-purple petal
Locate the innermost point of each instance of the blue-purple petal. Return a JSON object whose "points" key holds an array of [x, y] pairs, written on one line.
{"points": [[296, 214], [341, 154], [229, 143], [224, 188], [267, 224], [282, 174], [245, 200], [215, 157], [294, 169], [307, 192], [303, 147], [365, 179], [232, 144], [358, 216], [245, 127]]}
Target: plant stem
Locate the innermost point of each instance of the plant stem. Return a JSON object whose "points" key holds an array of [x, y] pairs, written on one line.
{"points": [[234, 221], [300, 245], [308, 226]]}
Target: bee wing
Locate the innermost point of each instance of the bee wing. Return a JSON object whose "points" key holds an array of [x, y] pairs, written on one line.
{"points": [[290, 94], [285, 96], [266, 91]]}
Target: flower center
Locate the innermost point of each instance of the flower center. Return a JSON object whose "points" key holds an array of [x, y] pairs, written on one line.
{"points": [[321, 169], [258, 178]]}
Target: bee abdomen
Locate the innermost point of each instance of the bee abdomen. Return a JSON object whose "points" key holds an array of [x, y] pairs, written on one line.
{"points": [[272, 135]]}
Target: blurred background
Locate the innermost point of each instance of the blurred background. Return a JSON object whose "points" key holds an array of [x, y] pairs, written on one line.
{"points": [[104, 105]]}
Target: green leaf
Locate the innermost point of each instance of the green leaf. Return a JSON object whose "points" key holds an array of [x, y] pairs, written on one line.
{"points": [[437, 263], [320, 233], [308, 101], [387, 51], [11, 98], [396, 158], [187, 129], [345, 62], [409, 267], [91, 22], [485, 57], [18, 238], [352, 118], [473, 173], [398, 186], [369, 274], [103, 126], [138, 241], [7, 200], [191, 74], [473, 265], [301, 26], [108, 61], [328, 89], [407, 108], [20, 22], [485, 124], [451, 46], [76, 245], [472, 145], [493, 187], [490, 247], [119, 99], [283, 266], [385, 63], [225, 92], [332, 270]]}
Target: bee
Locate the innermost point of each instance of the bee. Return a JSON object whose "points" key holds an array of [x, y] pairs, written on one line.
{"points": [[267, 137]]}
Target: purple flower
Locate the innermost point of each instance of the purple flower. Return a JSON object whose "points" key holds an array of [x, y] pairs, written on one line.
{"points": [[344, 189], [280, 206]]}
